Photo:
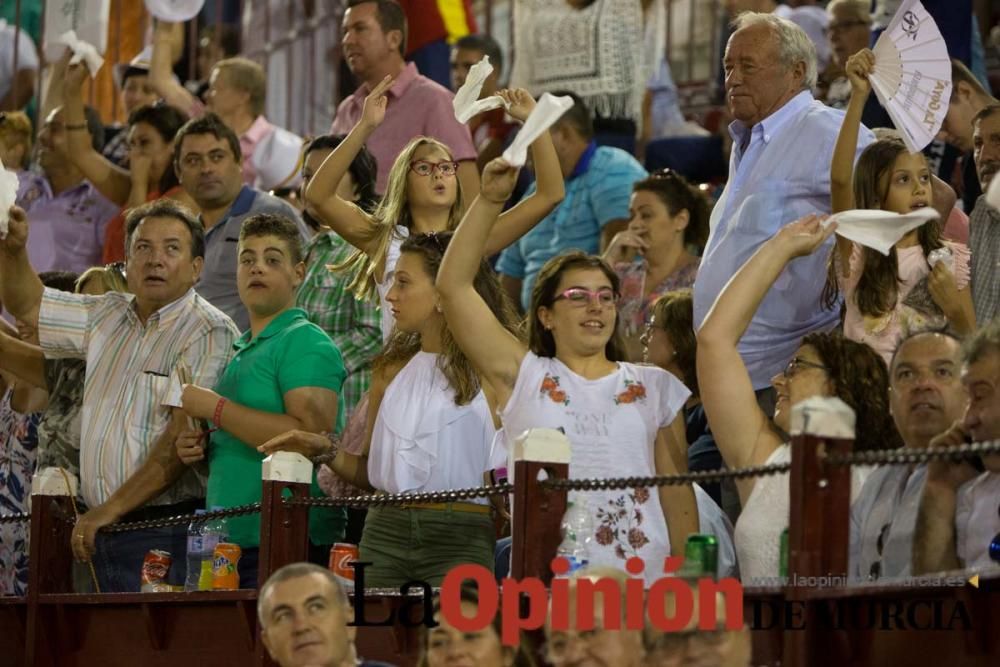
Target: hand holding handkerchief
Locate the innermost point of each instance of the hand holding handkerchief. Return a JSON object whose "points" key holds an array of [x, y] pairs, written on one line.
{"points": [[82, 51], [466, 102], [548, 110], [879, 230], [8, 195]]}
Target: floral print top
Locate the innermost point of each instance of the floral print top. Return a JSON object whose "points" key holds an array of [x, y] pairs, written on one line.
{"points": [[18, 441], [633, 306], [612, 423]]}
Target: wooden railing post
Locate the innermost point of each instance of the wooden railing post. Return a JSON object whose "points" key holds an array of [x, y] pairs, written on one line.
{"points": [[537, 512], [820, 510], [284, 530]]}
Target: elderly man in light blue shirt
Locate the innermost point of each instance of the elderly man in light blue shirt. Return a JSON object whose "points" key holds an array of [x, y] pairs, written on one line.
{"points": [[779, 171]]}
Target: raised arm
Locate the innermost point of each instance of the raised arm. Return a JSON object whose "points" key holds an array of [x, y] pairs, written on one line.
{"points": [[496, 352], [161, 69], [518, 221], [109, 179], [52, 97], [353, 224], [740, 427], [859, 66], [20, 288]]}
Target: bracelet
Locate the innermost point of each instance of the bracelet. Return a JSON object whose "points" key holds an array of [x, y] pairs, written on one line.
{"points": [[331, 453], [217, 417], [75, 126]]}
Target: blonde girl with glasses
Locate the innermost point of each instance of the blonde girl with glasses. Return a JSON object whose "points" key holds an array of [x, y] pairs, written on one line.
{"points": [[422, 196]]}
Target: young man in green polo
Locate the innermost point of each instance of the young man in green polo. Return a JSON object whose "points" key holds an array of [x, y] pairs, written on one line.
{"points": [[285, 374]]}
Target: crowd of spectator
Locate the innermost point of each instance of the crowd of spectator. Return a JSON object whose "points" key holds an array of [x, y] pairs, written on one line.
{"points": [[402, 307]]}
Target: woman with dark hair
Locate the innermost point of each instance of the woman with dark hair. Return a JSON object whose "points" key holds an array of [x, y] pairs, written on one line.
{"points": [[622, 419], [826, 364], [150, 176], [659, 251], [430, 428], [445, 645]]}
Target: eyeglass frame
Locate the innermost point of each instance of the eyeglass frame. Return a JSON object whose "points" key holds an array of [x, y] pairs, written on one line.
{"points": [[436, 167], [791, 371], [591, 295]]}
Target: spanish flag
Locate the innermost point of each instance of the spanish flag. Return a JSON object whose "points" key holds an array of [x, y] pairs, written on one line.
{"points": [[433, 20]]}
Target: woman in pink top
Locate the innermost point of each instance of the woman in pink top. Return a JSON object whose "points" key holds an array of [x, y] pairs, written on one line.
{"points": [[886, 296], [668, 218]]}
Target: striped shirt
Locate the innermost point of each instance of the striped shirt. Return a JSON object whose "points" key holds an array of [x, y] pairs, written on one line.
{"points": [[131, 378]]}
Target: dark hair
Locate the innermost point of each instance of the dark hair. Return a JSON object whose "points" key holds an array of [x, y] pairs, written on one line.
{"points": [[64, 281], [363, 169], [166, 208], [861, 380], [467, 593], [985, 113], [270, 224], [167, 121], [462, 376], [131, 71], [208, 123], [674, 313], [390, 17], [95, 127], [678, 195], [878, 284], [578, 115], [543, 293], [485, 45]]}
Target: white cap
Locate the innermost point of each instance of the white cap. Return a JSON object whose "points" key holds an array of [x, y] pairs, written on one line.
{"points": [[278, 160], [175, 11]]}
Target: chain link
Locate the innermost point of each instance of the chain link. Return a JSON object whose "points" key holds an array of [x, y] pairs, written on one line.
{"points": [[14, 518], [905, 456], [381, 500], [615, 483], [183, 520]]}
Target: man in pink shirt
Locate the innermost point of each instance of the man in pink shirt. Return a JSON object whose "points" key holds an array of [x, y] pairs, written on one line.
{"points": [[237, 91], [374, 40]]}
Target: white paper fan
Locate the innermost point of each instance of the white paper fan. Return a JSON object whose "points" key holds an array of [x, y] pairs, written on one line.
{"points": [[912, 74]]}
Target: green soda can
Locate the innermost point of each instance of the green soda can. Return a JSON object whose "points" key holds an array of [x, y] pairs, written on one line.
{"points": [[783, 559], [701, 555]]}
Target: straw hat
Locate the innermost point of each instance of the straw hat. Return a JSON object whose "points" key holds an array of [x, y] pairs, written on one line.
{"points": [[278, 160]]}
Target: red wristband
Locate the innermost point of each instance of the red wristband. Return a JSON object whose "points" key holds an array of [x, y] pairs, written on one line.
{"points": [[217, 417]]}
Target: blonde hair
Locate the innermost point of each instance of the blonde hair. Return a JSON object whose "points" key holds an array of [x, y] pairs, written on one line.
{"points": [[394, 209], [246, 75], [112, 281], [15, 127]]}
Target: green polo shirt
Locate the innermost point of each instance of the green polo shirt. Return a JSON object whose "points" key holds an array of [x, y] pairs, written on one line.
{"points": [[291, 352]]}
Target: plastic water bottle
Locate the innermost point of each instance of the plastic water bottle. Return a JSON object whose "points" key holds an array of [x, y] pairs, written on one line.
{"points": [[578, 534], [195, 548], [212, 533]]}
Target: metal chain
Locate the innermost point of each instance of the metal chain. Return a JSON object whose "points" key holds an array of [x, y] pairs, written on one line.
{"points": [[183, 520], [666, 480], [907, 456], [380, 500], [14, 518]]}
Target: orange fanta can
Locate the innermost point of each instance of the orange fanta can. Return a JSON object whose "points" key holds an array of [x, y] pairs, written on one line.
{"points": [[225, 575]]}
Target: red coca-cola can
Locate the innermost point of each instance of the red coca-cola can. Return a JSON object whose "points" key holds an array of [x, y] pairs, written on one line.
{"points": [[341, 555], [155, 567]]}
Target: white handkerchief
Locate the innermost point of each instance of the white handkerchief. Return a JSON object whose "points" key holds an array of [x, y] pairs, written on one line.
{"points": [[993, 192], [879, 230], [82, 51], [468, 95], [479, 106], [543, 116], [8, 195], [942, 255]]}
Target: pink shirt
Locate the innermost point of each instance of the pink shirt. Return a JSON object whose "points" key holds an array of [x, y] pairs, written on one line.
{"points": [[248, 143], [416, 106], [915, 309]]}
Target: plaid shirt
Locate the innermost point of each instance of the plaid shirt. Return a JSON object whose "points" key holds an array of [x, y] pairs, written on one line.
{"points": [[353, 325], [984, 243]]}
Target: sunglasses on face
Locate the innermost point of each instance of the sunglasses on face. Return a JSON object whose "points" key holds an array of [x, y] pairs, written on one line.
{"points": [[581, 296], [426, 168]]}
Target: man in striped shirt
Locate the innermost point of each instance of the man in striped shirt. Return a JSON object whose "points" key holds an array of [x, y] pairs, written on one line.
{"points": [[138, 347]]}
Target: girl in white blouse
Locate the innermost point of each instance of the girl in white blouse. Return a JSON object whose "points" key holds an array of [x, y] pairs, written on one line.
{"points": [[621, 419], [430, 428]]}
